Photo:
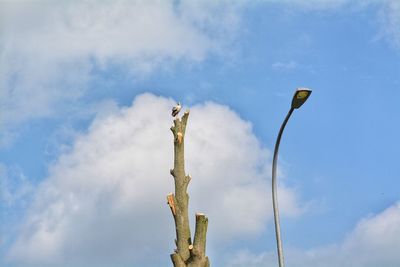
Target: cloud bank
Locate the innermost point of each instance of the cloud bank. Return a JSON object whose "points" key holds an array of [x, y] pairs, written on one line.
{"points": [[390, 20], [51, 52], [373, 242], [104, 201]]}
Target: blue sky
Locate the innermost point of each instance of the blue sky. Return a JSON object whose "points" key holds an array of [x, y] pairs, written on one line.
{"points": [[76, 78]]}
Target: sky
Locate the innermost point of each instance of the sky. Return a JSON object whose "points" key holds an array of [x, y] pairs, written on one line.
{"points": [[86, 91]]}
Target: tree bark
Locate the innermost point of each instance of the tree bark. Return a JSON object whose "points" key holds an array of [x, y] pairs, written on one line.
{"points": [[187, 254]]}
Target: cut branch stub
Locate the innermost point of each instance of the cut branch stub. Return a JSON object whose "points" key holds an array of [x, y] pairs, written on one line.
{"points": [[199, 243], [171, 203], [179, 137]]}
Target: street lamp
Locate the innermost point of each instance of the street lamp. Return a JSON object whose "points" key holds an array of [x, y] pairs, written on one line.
{"points": [[300, 96]]}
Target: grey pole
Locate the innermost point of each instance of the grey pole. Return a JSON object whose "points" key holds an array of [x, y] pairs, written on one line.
{"points": [[299, 98], [274, 196]]}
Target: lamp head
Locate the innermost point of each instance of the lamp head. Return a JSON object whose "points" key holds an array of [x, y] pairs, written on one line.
{"points": [[300, 96]]}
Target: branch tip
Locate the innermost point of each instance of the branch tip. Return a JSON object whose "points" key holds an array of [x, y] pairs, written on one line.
{"points": [[199, 214]]}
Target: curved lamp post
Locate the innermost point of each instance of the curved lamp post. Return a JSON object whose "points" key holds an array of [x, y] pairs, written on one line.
{"points": [[300, 96]]}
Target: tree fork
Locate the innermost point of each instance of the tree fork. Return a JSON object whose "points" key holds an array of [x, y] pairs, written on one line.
{"points": [[186, 253]]}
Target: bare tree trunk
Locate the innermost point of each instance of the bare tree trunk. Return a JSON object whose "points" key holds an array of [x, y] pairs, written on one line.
{"points": [[187, 254]]}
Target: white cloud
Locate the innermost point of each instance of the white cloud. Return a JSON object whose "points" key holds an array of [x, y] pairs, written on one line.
{"points": [[373, 242], [390, 20], [50, 51], [104, 201], [290, 65], [14, 186], [15, 195], [387, 12], [316, 4]]}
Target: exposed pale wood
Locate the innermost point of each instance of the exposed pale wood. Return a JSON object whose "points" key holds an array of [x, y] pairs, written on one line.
{"points": [[171, 203], [179, 137]]}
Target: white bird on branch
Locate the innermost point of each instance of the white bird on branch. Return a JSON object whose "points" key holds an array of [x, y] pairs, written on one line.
{"points": [[176, 109]]}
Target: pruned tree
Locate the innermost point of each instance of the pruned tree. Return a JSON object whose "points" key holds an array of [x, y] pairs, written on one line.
{"points": [[187, 254]]}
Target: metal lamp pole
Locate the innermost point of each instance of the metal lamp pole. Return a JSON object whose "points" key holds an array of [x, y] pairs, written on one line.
{"points": [[299, 98]]}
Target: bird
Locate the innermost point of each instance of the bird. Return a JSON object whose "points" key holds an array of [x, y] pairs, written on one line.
{"points": [[176, 109]]}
